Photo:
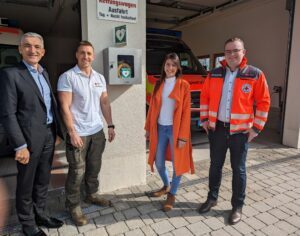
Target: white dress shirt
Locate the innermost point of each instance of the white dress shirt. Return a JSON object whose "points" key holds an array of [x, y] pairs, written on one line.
{"points": [[226, 99]]}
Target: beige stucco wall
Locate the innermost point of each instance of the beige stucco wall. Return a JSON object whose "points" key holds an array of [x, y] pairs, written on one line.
{"points": [[291, 134], [124, 160], [263, 24]]}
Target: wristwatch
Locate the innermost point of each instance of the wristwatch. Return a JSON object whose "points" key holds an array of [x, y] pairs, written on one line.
{"points": [[111, 126]]}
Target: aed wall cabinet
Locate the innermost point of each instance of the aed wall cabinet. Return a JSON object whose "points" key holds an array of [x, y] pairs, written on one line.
{"points": [[122, 65]]}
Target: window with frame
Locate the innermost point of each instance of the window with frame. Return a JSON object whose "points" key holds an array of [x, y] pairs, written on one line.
{"points": [[205, 61], [218, 57]]}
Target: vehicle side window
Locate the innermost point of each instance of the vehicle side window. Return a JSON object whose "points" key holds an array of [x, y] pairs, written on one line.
{"points": [[9, 55]]}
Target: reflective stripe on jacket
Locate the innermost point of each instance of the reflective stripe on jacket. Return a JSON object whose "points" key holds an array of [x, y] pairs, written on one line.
{"points": [[250, 89]]}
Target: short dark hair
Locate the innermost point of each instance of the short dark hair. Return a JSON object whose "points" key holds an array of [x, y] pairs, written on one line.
{"points": [[85, 43], [234, 39]]}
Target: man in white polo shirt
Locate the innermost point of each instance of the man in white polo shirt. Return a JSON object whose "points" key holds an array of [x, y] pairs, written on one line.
{"points": [[83, 98]]}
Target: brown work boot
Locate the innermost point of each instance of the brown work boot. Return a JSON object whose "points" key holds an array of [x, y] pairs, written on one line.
{"points": [[77, 216], [97, 200], [164, 190], [169, 202]]}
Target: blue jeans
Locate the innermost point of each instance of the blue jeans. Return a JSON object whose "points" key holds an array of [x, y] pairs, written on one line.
{"points": [[220, 140], [165, 137]]}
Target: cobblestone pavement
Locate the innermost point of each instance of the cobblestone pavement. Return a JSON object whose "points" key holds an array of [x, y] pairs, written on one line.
{"points": [[272, 203]]}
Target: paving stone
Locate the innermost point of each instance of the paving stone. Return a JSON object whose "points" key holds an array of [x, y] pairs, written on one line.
{"points": [[213, 223], [87, 227], [167, 234], [261, 206], [134, 223], [254, 223], [272, 230], [261, 176], [297, 201], [147, 219], [278, 214], [175, 213], [297, 233], [255, 197], [286, 227], [119, 206], [104, 220], [50, 234], [117, 228], [158, 216], [272, 202], [131, 213], [162, 227], [108, 210], [294, 220], [92, 215], [267, 218], [178, 222], [250, 211], [220, 232], [182, 231], [51, 231], [278, 189], [231, 230], [147, 208], [258, 233], [256, 187], [293, 194], [286, 210], [243, 228], [96, 232], [136, 232], [225, 205], [293, 207], [190, 196], [148, 231], [67, 230], [119, 216], [193, 216], [199, 228], [283, 198]]}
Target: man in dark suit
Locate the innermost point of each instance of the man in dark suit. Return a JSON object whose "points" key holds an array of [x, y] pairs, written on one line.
{"points": [[28, 112]]}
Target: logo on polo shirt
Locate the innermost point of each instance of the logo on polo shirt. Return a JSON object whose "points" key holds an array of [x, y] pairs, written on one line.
{"points": [[246, 88], [97, 84]]}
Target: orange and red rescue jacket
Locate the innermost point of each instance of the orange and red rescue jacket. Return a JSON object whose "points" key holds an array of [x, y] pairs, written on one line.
{"points": [[250, 101]]}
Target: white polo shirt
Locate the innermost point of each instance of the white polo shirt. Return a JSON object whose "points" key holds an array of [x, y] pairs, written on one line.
{"points": [[86, 92]]}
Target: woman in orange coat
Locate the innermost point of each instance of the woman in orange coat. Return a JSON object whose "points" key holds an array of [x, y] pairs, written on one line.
{"points": [[168, 128]]}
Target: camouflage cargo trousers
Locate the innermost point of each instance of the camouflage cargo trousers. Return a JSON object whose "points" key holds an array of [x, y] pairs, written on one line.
{"points": [[84, 167]]}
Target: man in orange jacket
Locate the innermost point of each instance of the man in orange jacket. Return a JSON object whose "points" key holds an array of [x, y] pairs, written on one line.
{"points": [[228, 116]]}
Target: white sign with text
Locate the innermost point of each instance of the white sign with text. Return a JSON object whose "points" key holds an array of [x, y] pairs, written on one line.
{"points": [[117, 10]]}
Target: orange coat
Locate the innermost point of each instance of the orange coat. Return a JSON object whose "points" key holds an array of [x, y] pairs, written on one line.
{"points": [[183, 161]]}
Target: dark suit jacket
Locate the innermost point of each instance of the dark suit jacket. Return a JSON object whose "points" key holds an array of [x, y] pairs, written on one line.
{"points": [[22, 108]]}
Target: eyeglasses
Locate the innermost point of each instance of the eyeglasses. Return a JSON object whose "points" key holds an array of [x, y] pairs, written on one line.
{"points": [[234, 51]]}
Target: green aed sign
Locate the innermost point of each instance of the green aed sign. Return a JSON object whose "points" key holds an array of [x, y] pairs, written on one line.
{"points": [[125, 73], [120, 35]]}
